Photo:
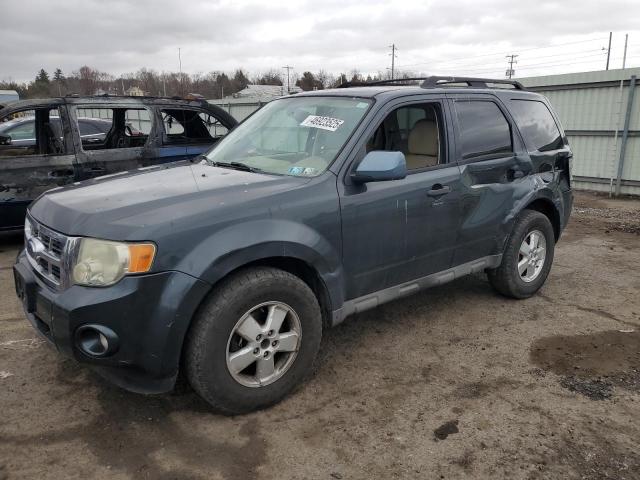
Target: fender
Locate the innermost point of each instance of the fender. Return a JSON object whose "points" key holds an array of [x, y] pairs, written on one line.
{"points": [[539, 190], [237, 245]]}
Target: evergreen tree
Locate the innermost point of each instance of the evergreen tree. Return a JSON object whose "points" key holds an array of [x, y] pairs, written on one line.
{"points": [[43, 76], [58, 76]]}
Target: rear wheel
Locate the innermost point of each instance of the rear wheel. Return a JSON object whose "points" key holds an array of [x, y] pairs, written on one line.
{"points": [[527, 258], [253, 340]]}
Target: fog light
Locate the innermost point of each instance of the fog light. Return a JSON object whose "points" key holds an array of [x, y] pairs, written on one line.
{"points": [[104, 342], [96, 340]]}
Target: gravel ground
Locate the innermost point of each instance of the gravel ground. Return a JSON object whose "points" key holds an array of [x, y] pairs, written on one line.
{"points": [[455, 382]]}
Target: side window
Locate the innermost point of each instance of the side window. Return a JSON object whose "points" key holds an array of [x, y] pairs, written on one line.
{"points": [[216, 129], [414, 130], [88, 128], [537, 126], [108, 128], [407, 118], [190, 126], [23, 131], [484, 130], [31, 132]]}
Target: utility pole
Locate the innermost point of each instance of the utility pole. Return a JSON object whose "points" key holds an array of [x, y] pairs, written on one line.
{"points": [[287, 67], [180, 66], [624, 57], [510, 71], [609, 50], [393, 59]]}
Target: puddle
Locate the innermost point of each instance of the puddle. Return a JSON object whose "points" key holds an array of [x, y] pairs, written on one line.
{"points": [[592, 364], [446, 429]]}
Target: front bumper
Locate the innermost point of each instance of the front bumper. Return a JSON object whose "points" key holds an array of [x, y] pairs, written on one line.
{"points": [[149, 313]]}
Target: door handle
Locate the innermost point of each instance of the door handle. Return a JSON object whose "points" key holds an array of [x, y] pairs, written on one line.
{"points": [[438, 190], [514, 173]]}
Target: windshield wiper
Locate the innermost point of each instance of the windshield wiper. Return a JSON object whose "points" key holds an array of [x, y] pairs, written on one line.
{"points": [[237, 166]]}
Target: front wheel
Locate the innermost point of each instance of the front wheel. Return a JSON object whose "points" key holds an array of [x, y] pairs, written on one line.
{"points": [[253, 340], [527, 258]]}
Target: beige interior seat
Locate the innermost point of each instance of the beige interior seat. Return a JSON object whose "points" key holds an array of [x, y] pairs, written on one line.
{"points": [[423, 145]]}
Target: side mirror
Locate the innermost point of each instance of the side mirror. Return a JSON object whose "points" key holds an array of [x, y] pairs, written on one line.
{"points": [[5, 140], [379, 165]]}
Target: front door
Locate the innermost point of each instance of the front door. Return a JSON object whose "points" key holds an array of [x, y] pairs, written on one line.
{"points": [[398, 231], [36, 154], [113, 138]]}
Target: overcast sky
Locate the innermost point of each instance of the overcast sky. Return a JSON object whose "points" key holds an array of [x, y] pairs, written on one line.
{"points": [[438, 37]]}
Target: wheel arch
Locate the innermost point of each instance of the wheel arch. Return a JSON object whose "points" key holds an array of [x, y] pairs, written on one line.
{"points": [[299, 268], [547, 207], [272, 256]]}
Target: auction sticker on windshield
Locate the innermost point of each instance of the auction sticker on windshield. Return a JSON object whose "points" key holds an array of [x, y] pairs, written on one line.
{"points": [[325, 123]]}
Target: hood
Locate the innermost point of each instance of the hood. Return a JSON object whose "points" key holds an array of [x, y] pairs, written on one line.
{"points": [[134, 205]]}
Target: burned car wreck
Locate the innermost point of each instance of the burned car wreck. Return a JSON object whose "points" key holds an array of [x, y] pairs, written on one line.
{"points": [[46, 143]]}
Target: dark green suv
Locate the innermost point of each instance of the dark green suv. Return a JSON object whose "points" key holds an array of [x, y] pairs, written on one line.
{"points": [[228, 267]]}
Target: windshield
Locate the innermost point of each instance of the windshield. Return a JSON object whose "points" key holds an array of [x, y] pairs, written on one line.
{"points": [[297, 136]]}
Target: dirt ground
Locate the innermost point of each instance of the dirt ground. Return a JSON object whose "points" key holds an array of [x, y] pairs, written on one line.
{"points": [[455, 382]]}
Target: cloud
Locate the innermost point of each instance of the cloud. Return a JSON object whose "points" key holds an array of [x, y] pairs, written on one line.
{"points": [[122, 36]]}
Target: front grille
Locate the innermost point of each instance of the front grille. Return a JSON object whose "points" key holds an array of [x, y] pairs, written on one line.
{"points": [[45, 251]]}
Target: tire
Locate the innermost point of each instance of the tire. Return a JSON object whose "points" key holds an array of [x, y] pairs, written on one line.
{"points": [[221, 329], [507, 279]]}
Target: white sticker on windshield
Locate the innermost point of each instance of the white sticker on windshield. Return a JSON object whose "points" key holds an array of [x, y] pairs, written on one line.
{"points": [[325, 123]]}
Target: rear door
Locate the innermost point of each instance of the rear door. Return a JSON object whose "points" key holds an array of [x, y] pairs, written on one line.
{"points": [[113, 138], [41, 158], [493, 164]]}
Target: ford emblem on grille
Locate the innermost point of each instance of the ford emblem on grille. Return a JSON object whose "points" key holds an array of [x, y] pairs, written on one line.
{"points": [[35, 248]]}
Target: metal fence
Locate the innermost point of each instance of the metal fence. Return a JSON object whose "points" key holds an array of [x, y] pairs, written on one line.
{"points": [[600, 112], [239, 108]]}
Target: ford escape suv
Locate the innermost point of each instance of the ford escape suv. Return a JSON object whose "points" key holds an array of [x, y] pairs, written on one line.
{"points": [[228, 267]]}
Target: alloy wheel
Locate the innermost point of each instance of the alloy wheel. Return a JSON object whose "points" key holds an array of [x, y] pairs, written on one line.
{"points": [[263, 344]]}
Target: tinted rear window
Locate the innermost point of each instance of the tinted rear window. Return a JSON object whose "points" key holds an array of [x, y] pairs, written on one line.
{"points": [[484, 131], [536, 124]]}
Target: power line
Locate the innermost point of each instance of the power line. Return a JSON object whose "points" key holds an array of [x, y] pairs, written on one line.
{"points": [[553, 67], [503, 52], [539, 66], [597, 52], [527, 66]]}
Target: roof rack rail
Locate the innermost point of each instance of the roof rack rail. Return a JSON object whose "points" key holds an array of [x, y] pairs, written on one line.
{"points": [[380, 82], [438, 81], [190, 97]]}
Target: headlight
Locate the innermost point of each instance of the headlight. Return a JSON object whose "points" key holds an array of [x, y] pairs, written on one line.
{"points": [[27, 227], [27, 230], [101, 262]]}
